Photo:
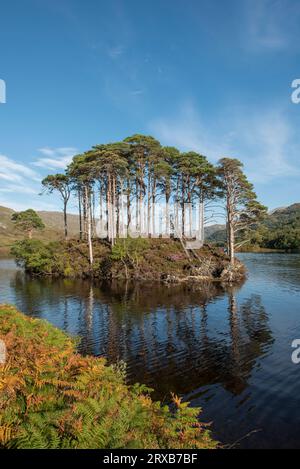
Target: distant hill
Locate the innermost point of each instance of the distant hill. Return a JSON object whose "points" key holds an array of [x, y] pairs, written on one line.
{"points": [[282, 216], [53, 222], [280, 230], [212, 230], [215, 233], [218, 236], [55, 228]]}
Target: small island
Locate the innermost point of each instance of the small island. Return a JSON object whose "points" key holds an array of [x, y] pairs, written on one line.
{"points": [[142, 212], [140, 259]]}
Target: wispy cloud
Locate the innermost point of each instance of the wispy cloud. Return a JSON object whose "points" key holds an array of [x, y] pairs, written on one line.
{"points": [[20, 184], [269, 24], [18, 205], [17, 188], [137, 92], [15, 172], [16, 180], [264, 141], [55, 158], [116, 51], [188, 131], [269, 145]]}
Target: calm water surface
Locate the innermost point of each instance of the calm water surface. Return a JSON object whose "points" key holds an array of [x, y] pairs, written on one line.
{"points": [[226, 350]]}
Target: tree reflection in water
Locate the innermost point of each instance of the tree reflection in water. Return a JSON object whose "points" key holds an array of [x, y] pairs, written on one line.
{"points": [[173, 338]]}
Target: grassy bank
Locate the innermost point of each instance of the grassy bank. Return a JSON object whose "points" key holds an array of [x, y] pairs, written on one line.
{"points": [[139, 259], [51, 397]]}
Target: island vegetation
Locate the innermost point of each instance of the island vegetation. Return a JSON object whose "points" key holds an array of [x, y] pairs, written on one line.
{"points": [[141, 205], [52, 397]]}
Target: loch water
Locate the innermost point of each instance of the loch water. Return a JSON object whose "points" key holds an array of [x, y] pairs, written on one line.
{"points": [[227, 350]]}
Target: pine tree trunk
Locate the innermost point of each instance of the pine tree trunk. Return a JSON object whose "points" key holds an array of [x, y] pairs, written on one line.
{"points": [[80, 214], [121, 210], [101, 207], [113, 207], [190, 215], [118, 215], [230, 233], [149, 230], [107, 209], [65, 220], [177, 209], [109, 218], [93, 208], [91, 215], [202, 221], [128, 206], [89, 225], [84, 215], [183, 208], [167, 216], [140, 212], [137, 207], [153, 206]]}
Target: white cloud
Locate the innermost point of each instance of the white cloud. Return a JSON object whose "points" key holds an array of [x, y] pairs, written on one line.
{"points": [[263, 141], [55, 158], [17, 181], [13, 171], [20, 185]]}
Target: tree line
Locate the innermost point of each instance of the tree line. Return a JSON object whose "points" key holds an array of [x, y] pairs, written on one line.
{"points": [[119, 185]]}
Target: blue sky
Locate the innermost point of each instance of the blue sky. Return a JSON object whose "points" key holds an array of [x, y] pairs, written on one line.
{"points": [[206, 75]]}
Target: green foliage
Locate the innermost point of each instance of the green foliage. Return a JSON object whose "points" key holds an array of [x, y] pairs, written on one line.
{"points": [[59, 182], [27, 221], [244, 212], [51, 397], [287, 239], [129, 251], [279, 230], [36, 256]]}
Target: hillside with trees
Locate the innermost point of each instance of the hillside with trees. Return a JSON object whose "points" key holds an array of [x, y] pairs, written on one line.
{"points": [[280, 230]]}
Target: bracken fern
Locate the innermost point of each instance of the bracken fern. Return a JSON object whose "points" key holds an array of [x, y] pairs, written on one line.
{"points": [[52, 397]]}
